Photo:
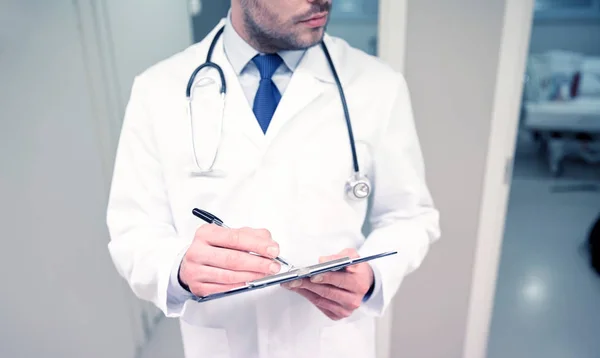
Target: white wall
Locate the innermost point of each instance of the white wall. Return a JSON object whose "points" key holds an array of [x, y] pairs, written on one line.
{"points": [[59, 296], [137, 34], [452, 59], [65, 72], [143, 32]]}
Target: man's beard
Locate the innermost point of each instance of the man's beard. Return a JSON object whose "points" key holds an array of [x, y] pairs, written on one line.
{"points": [[269, 39]]}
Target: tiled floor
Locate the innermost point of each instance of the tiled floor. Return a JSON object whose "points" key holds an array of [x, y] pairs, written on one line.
{"points": [[547, 299]]}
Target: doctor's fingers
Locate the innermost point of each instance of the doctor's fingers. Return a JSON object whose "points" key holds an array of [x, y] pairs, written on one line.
{"points": [[331, 309], [246, 239], [235, 260], [204, 289], [343, 280], [354, 281], [344, 298], [209, 274]]}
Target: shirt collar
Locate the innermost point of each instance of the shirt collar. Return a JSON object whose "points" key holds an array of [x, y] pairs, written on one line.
{"points": [[239, 52]]}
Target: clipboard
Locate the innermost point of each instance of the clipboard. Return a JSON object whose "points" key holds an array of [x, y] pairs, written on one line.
{"points": [[295, 274]]}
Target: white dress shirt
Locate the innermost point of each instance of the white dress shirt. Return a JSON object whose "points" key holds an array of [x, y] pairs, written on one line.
{"points": [[240, 55]]}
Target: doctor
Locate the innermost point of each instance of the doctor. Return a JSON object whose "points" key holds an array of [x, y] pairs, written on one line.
{"points": [[313, 144]]}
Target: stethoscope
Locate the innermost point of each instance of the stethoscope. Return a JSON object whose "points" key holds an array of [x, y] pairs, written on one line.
{"points": [[357, 187]]}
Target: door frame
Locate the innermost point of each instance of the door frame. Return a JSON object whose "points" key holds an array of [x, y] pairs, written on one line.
{"points": [[96, 33], [392, 32], [102, 83], [391, 49], [95, 37], [513, 54]]}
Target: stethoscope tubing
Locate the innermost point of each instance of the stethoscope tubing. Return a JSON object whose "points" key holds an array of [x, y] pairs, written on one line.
{"points": [[344, 107], [223, 92]]}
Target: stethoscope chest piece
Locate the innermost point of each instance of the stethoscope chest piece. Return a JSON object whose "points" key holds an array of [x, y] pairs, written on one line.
{"points": [[358, 187]]}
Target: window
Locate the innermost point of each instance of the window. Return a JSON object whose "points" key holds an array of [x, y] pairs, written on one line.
{"points": [[563, 4], [355, 10], [567, 9]]}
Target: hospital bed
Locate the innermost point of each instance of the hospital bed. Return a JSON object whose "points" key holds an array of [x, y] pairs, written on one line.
{"points": [[561, 107]]}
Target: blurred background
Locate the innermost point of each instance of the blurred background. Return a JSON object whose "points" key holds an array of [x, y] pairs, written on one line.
{"points": [[506, 95]]}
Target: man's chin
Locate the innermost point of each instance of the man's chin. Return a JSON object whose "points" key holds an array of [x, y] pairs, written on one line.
{"points": [[311, 40]]}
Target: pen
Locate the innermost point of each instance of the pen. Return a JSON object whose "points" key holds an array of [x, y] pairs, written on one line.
{"points": [[213, 219]]}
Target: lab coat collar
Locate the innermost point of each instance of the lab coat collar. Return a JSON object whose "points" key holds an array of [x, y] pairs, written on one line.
{"points": [[311, 77], [315, 63], [311, 60], [308, 83]]}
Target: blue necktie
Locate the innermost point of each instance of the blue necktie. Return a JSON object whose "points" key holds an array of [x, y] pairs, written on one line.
{"points": [[268, 96]]}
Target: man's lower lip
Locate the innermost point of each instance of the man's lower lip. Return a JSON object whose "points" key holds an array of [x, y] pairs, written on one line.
{"points": [[316, 22]]}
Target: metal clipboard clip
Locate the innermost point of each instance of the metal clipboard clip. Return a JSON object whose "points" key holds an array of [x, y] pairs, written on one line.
{"points": [[303, 272]]}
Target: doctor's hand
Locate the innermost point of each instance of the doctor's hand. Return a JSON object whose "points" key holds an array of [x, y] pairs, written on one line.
{"points": [[219, 259], [336, 294]]}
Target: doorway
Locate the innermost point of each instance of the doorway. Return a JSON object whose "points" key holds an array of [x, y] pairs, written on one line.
{"points": [[546, 292]]}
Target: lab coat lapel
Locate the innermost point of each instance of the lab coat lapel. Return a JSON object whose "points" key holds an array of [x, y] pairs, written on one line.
{"points": [[238, 114], [310, 79]]}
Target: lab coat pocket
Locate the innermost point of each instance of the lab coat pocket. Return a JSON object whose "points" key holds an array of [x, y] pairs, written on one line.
{"points": [[199, 342], [343, 340]]}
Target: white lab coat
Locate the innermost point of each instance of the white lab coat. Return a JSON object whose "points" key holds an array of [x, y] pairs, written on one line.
{"points": [[290, 180]]}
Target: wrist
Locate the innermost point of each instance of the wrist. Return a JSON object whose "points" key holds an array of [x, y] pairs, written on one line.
{"points": [[369, 292], [181, 283]]}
